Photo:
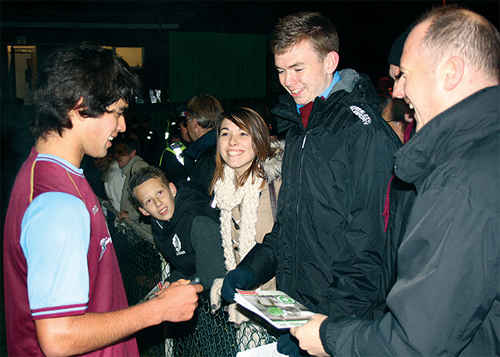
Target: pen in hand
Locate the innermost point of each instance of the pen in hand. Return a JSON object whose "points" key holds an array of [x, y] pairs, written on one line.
{"points": [[194, 281]]}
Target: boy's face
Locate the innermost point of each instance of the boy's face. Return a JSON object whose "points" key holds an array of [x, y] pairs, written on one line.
{"points": [[157, 200]]}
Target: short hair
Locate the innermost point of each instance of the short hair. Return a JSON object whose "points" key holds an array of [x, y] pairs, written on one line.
{"points": [[72, 72], [458, 31], [142, 175], [302, 26], [130, 143], [205, 108], [252, 123]]}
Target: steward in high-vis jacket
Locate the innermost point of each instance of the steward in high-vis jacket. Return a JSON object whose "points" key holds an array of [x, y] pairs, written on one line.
{"points": [[328, 247]]}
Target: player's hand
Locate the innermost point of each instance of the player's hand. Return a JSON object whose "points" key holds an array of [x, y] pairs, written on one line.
{"points": [[308, 336], [178, 300]]}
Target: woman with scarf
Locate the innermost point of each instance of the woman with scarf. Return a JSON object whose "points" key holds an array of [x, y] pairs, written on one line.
{"points": [[245, 188]]}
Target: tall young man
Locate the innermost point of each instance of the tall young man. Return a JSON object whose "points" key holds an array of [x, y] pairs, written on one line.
{"points": [[328, 248]]}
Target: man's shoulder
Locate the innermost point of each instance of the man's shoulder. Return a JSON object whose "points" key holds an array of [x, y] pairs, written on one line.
{"points": [[135, 164], [209, 153], [478, 169], [49, 173], [471, 171], [112, 172], [351, 115], [194, 202], [204, 144]]}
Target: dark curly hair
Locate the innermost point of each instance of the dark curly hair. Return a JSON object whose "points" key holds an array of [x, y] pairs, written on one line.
{"points": [[84, 71]]}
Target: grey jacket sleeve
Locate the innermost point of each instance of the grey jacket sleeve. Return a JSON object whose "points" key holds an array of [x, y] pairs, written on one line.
{"points": [[207, 242], [446, 298]]}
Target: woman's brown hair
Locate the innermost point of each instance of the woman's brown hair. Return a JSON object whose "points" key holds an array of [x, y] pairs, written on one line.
{"points": [[252, 123]]}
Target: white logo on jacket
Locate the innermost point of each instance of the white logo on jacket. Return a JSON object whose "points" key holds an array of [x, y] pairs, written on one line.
{"points": [[365, 118], [104, 242], [176, 242]]}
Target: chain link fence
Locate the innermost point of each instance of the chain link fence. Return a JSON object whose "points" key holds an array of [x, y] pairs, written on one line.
{"points": [[207, 334]]}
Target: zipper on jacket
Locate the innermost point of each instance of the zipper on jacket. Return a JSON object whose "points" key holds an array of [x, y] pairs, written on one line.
{"points": [[304, 141], [297, 209]]}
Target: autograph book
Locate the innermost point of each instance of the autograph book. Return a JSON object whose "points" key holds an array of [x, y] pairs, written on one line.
{"points": [[276, 307]]}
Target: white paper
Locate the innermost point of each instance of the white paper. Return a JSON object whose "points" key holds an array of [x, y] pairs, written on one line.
{"points": [[262, 351]]}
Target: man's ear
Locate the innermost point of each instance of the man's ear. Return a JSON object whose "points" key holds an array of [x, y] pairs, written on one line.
{"points": [[195, 122], [173, 189], [132, 154], [143, 211], [453, 71], [74, 114], [332, 61]]}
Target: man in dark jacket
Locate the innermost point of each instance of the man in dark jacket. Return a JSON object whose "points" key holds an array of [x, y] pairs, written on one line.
{"points": [[327, 247], [202, 114], [446, 298]]}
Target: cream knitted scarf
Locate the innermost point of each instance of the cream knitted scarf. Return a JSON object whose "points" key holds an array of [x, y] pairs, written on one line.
{"points": [[227, 197]]}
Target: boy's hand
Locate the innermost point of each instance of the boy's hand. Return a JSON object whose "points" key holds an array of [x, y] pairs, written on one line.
{"points": [[122, 215]]}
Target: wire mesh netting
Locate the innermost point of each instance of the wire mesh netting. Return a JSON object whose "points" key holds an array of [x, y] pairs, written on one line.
{"points": [[207, 334]]}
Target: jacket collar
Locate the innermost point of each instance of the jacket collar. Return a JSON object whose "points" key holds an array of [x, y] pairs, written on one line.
{"points": [[473, 118], [189, 197], [286, 112], [198, 147]]}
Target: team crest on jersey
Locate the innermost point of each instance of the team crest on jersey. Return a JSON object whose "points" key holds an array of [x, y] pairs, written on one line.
{"points": [[104, 242], [95, 210], [176, 242], [365, 118]]}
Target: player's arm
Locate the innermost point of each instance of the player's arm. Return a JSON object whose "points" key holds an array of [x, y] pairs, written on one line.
{"points": [[55, 239], [75, 335]]}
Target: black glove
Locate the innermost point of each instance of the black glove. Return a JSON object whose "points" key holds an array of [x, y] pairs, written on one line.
{"points": [[238, 278], [289, 345]]}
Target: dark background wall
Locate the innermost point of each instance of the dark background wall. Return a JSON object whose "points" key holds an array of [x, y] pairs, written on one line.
{"points": [[366, 28]]}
